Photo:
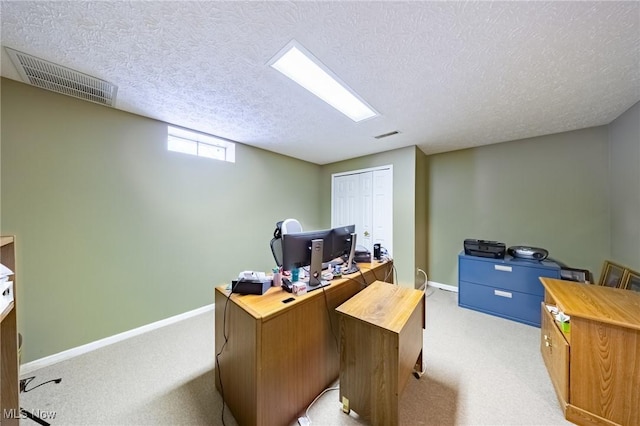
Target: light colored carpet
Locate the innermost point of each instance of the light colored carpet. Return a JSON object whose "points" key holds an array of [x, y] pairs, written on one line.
{"points": [[481, 370]]}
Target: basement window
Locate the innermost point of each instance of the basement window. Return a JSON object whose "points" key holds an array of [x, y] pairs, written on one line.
{"points": [[200, 144]]}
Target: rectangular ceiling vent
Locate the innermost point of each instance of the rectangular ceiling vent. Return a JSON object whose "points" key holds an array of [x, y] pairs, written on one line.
{"points": [[386, 135], [66, 81]]}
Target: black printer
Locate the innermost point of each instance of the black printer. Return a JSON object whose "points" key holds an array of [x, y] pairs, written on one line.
{"points": [[484, 248]]}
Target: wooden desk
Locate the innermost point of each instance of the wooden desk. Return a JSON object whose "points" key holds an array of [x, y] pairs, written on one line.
{"points": [[380, 345], [9, 363], [279, 357], [595, 367]]}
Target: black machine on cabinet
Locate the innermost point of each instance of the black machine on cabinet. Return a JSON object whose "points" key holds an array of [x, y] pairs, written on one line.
{"points": [[531, 253], [484, 248]]}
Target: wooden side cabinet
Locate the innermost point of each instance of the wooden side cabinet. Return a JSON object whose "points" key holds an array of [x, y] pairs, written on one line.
{"points": [[9, 383], [380, 345], [595, 366]]}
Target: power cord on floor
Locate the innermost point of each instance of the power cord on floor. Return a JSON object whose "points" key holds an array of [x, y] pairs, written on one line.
{"points": [[419, 374], [23, 389], [426, 284], [306, 420], [25, 382]]}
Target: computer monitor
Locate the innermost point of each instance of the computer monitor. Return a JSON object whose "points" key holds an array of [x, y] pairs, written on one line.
{"points": [[341, 240], [307, 249], [344, 244]]}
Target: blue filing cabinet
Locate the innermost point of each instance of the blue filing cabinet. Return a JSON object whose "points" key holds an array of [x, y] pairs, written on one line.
{"points": [[508, 288]]}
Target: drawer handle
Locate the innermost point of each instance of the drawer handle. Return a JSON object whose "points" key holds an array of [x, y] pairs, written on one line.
{"points": [[503, 268], [502, 293]]}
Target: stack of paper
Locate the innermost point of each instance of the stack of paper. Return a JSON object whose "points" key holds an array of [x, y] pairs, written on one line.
{"points": [[6, 287]]}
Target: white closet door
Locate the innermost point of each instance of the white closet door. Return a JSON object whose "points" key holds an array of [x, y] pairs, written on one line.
{"points": [[345, 205], [364, 226], [382, 224], [365, 198]]}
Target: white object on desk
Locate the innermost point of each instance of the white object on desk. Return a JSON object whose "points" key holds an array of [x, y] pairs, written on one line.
{"points": [[299, 288], [252, 275], [4, 272], [6, 294]]}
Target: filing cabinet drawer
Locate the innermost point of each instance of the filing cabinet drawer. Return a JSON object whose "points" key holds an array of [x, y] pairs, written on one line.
{"points": [[501, 302], [509, 274]]}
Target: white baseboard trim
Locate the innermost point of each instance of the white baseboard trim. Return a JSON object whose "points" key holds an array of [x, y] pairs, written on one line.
{"points": [[80, 350], [443, 286]]}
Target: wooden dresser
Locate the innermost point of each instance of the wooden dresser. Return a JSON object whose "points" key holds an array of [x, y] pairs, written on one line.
{"points": [[595, 366]]}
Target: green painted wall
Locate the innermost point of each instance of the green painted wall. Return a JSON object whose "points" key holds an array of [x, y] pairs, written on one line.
{"points": [[549, 191], [114, 232], [404, 163], [624, 136]]}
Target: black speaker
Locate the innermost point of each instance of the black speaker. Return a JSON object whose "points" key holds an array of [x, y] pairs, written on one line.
{"points": [[376, 251]]}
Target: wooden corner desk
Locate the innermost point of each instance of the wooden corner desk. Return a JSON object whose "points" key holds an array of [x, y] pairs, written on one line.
{"points": [[279, 356], [595, 366], [9, 362], [381, 345]]}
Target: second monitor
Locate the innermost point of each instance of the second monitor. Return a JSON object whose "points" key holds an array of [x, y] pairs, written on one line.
{"points": [[316, 247], [344, 245]]}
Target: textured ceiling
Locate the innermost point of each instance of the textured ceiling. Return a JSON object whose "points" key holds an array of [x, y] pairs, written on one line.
{"points": [[446, 75]]}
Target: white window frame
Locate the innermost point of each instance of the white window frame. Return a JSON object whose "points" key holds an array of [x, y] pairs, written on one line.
{"points": [[199, 144]]}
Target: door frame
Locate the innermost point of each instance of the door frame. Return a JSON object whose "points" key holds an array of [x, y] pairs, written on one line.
{"points": [[353, 172], [369, 169]]}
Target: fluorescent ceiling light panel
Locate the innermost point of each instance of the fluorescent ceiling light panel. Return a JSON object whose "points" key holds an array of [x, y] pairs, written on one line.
{"points": [[300, 66]]}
